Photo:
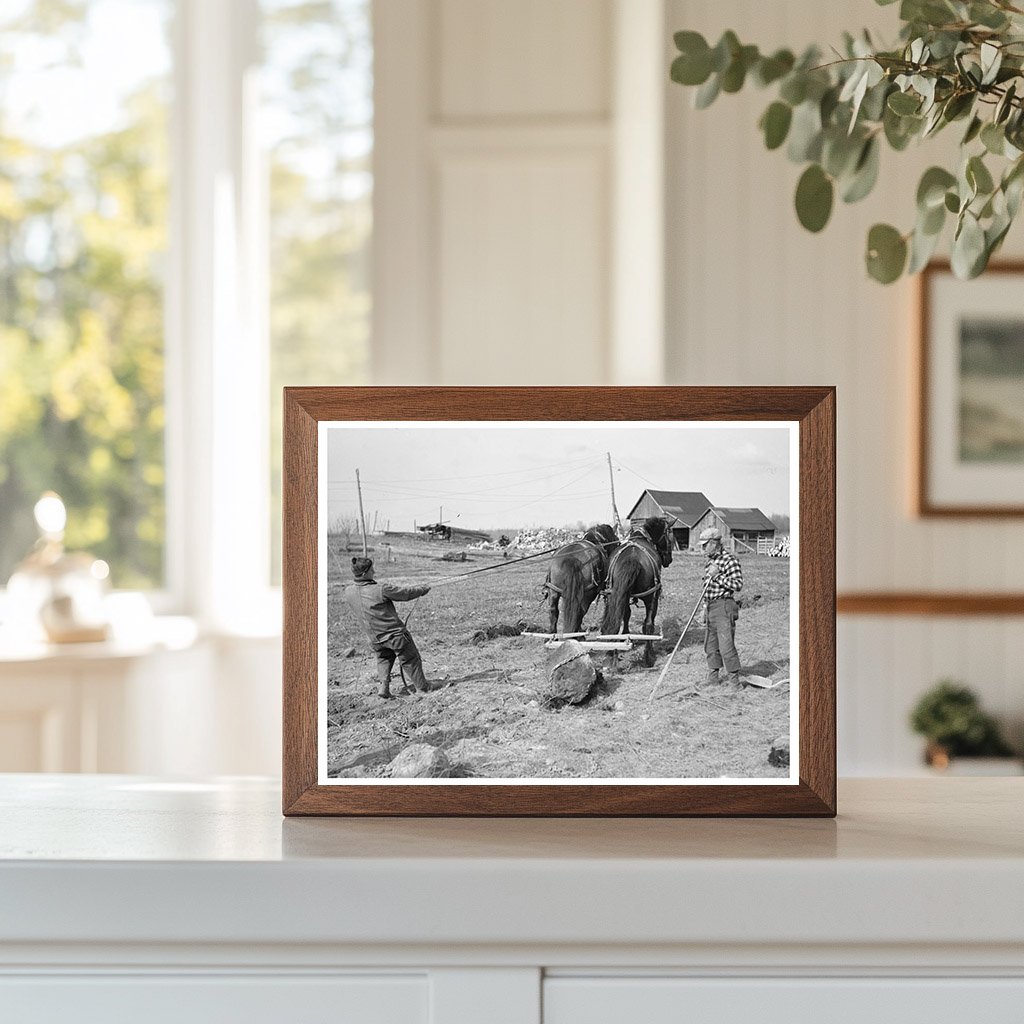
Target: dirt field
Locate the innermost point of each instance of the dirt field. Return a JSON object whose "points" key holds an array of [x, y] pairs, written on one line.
{"points": [[490, 720]]}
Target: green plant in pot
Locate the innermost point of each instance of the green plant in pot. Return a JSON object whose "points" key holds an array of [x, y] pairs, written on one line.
{"points": [[957, 63], [950, 718]]}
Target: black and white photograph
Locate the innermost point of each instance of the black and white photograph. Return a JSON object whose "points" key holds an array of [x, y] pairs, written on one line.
{"points": [[558, 602]]}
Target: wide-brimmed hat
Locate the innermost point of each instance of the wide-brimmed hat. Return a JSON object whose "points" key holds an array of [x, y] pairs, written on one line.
{"points": [[711, 533], [362, 567]]}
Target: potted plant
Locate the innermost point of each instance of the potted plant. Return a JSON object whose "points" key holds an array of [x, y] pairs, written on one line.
{"points": [[950, 717], [956, 62]]}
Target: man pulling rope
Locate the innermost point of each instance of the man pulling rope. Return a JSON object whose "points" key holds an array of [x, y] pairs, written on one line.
{"points": [[372, 603]]}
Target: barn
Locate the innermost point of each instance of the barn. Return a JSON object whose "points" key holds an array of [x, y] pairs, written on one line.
{"points": [[741, 527], [685, 507]]}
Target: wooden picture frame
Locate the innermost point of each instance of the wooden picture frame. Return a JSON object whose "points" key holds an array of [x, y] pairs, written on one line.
{"points": [[806, 413], [958, 471]]}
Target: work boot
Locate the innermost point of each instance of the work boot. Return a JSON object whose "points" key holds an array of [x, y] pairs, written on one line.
{"points": [[712, 677], [384, 693], [733, 679]]}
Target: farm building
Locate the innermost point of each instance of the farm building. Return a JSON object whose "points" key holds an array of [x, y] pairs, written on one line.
{"points": [[741, 528], [685, 507]]}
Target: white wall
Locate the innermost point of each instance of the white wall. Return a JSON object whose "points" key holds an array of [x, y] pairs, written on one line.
{"points": [[508, 252], [755, 299]]}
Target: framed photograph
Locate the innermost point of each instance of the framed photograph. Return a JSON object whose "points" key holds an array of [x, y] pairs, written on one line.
{"points": [[970, 445], [559, 601]]}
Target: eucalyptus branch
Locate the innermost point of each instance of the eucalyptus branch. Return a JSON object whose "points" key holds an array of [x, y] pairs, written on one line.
{"points": [[833, 117]]}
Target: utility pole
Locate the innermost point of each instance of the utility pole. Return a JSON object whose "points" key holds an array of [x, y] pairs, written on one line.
{"points": [[611, 479], [362, 520], [440, 514], [373, 529]]}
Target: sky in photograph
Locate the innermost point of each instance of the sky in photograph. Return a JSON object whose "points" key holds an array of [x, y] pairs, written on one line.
{"points": [[488, 477]]}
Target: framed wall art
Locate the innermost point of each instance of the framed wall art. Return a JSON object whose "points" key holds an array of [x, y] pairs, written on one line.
{"points": [[559, 601], [970, 423]]}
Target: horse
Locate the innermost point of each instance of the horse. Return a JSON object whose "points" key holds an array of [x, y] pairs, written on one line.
{"points": [[634, 574], [576, 575]]}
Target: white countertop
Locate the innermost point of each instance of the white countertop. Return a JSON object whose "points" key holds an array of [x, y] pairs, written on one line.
{"points": [[123, 859]]}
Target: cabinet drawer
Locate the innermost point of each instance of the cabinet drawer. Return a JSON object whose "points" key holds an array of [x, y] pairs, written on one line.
{"points": [[223, 999], [783, 1000]]}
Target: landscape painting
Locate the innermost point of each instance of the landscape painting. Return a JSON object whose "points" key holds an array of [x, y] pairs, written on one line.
{"points": [[558, 602], [992, 389]]}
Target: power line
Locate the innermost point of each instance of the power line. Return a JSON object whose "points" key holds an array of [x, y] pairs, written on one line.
{"points": [[480, 476]]}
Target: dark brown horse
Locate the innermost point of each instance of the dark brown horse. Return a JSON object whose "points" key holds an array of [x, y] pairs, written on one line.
{"points": [[576, 575], [634, 574]]}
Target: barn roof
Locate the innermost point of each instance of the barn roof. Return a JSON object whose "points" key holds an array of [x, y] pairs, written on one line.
{"points": [[687, 506], [745, 519]]}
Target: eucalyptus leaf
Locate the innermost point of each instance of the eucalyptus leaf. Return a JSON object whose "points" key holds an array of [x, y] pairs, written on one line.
{"points": [[931, 190], [771, 69], [987, 15], [991, 60], [840, 152], [993, 138], [814, 195], [886, 253], [968, 247], [775, 124], [693, 65], [724, 51], [973, 129], [978, 175], [707, 93], [794, 88], [1005, 105], [904, 103], [865, 173], [932, 220], [922, 248], [805, 133], [952, 202]]}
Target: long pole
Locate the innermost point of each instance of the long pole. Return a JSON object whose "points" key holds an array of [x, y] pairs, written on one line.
{"points": [[707, 583], [611, 480], [362, 520]]}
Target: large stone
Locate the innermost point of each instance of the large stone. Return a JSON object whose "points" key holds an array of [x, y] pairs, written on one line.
{"points": [[778, 756], [570, 674], [420, 761]]}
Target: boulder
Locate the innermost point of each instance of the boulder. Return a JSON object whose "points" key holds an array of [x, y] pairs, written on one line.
{"points": [[570, 674], [355, 772], [778, 756], [420, 761]]}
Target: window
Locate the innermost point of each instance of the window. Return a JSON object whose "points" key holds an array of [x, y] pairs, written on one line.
{"points": [[167, 264], [83, 237], [317, 117]]}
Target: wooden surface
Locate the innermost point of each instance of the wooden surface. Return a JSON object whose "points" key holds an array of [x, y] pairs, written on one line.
{"points": [[924, 603], [813, 407]]}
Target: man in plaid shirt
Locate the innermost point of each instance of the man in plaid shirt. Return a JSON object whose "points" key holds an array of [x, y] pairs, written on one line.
{"points": [[725, 581]]}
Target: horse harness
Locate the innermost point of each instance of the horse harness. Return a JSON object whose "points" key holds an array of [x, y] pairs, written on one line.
{"points": [[631, 543], [548, 586]]}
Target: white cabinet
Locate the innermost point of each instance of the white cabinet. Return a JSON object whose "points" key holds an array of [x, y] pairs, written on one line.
{"points": [[823, 1000], [202, 999], [133, 898]]}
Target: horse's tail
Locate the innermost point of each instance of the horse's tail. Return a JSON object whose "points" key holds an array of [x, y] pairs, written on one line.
{"points": [[574, 596], [620, 587]]}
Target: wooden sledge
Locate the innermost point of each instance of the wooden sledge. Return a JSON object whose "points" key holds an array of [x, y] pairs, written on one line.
{"points": [[555, 636], [629, 636], [597, 645]]}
